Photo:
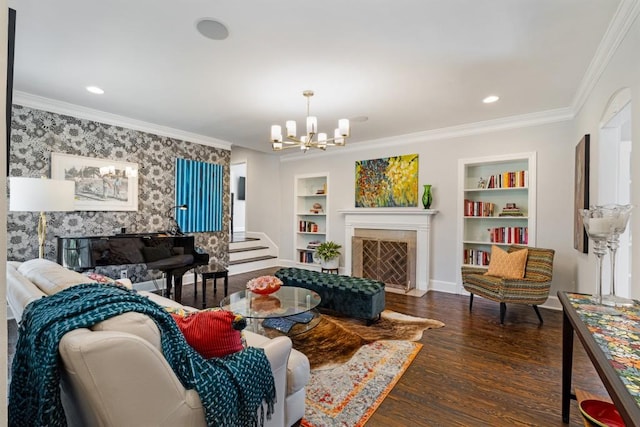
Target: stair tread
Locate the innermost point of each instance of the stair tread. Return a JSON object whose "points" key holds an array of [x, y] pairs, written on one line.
{"points": [[250, 248], [247, 260], [244, 239]]}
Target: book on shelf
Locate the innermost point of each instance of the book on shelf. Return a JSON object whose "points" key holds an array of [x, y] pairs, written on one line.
{"points": [[509, 235], [306, 257], [307, 226], [509, 180], [313, 245], [473, 208], [476, 257], [511, 210]]}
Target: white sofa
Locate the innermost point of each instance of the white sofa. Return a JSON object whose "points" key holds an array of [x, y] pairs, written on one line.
{"points": [[114, 374]]}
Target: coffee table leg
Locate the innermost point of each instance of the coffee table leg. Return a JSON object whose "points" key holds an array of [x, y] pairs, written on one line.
{"points": [[226, 283]]}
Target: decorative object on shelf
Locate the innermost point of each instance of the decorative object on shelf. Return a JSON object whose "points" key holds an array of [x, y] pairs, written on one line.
{"points": [[40, 195], [581, 194], [388, 182], [173, 228], [482, 183], [316, 208], [329, 254], [511, 209], [264, 285], [621, 213], [100, 184], [427, 198], [305, 142]]}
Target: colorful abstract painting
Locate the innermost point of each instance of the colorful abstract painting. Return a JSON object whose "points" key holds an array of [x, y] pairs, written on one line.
{"points": [[387, 182]]}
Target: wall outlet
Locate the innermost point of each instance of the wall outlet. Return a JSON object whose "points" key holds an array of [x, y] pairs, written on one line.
{"points": [[123, 274]]}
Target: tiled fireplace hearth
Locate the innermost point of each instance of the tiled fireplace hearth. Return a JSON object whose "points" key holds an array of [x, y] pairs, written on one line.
{"points": [[390, 244]]}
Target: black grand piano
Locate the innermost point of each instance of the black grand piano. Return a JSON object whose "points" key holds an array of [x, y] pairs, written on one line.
{"points": [[173, 255]]}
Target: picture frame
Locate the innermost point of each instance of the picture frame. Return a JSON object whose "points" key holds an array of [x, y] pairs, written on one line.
{"points": [[581, 194], [101, 184]]}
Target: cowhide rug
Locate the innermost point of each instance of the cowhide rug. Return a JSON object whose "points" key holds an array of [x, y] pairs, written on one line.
{"points": [[336, 339]]}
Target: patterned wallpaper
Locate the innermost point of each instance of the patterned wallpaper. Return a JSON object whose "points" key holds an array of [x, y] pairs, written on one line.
{"points": [[36, 134]]}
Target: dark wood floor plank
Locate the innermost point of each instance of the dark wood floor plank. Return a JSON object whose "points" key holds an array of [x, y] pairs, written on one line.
{"points": [[474, 371]]}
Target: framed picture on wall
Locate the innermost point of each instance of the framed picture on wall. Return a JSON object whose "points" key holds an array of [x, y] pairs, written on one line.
{"points": [[101, 184], [581, 194]]}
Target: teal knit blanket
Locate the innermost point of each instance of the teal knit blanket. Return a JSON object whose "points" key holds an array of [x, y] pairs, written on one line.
{"points": [[232, 389]]}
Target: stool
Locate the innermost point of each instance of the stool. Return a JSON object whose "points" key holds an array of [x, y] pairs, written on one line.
{"points": [[215, 272], [329, 270]]}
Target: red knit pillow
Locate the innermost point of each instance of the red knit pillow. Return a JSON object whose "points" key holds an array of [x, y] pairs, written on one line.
{"points": [[211, 332]]}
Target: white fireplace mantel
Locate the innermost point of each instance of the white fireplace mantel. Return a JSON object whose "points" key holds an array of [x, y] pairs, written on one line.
{"points": [[412, 219]]}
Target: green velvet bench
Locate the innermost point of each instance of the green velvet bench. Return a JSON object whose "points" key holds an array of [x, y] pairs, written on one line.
{"points": [[352, 296]]}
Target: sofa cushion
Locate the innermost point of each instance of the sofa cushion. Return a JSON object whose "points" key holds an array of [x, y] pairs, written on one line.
{"points": [[213, 332], [50, 277]]}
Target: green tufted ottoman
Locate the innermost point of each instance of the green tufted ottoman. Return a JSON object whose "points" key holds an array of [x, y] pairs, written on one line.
{"points": [[352, 296]]}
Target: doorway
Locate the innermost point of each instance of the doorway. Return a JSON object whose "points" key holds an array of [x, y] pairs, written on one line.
{"points": [[614, 183], [238, 198]]}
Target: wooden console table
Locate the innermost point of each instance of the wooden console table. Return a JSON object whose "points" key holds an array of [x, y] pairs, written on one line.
{"points": [[605, 338]]}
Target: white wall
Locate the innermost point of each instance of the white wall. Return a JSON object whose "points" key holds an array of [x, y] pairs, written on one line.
{"points": [[623, 71], [262, 191], [554, 144]]}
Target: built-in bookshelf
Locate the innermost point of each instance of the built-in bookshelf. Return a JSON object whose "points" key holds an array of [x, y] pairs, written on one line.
{"points": [[311, 219], [497, 205]]}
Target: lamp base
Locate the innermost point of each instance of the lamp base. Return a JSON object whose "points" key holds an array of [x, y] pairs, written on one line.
{"points": [[42, 233]]}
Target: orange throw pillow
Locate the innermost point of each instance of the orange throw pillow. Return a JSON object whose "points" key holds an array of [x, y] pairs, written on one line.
{"points": [[212, 333], [507, 265]]}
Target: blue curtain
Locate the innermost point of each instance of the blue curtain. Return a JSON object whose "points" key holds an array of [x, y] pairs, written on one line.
{"points": [[199, 185]]}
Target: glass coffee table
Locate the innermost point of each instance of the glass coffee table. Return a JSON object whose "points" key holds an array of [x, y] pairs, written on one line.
{"points": [[290, 310]]}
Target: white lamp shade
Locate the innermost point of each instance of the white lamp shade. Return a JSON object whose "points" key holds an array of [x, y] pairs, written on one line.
{"points": [[291, 128], [41, 194], [312, 124]]}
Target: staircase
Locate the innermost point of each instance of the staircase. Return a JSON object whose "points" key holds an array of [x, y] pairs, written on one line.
{"points": [[251, 251]]}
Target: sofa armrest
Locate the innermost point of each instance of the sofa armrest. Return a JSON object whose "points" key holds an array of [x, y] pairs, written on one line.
{"points": [[105, 372], [277, 351], [466, 271]]}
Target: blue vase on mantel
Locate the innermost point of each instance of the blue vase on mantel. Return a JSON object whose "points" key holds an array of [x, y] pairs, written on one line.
{"points": [[427, 198]]}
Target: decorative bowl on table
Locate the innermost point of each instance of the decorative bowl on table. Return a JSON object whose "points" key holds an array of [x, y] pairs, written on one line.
{"points": [[264, 285]]}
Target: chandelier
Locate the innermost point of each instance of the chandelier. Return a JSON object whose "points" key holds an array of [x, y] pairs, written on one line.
{"points": [[305, 142]]}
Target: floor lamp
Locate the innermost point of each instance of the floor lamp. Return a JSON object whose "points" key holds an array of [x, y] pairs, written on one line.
{"points": [[40, 195]]}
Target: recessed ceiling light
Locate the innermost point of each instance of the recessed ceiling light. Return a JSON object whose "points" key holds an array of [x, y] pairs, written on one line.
{"points": [[212, 29], [491, 98], [95, 89]]}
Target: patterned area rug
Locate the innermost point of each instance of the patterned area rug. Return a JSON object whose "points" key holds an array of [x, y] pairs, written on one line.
{"points": [[355, 366], [349, 394]]}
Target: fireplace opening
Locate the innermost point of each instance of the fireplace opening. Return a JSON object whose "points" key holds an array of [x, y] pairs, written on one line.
{"points": [[385, 255]]}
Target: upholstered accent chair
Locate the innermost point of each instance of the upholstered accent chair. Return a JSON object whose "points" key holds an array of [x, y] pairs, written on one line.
{"points": [[532, 289]]}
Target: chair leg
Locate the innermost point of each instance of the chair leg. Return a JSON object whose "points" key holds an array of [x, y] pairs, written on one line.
{"points": [[470, 302], [535, 307], [503, 310]]}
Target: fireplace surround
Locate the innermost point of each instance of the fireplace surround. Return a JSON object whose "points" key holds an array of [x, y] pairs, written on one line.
{"points": [[362, 221]]}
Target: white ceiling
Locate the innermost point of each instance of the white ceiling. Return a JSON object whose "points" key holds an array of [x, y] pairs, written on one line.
{"points": [[408, 65]]}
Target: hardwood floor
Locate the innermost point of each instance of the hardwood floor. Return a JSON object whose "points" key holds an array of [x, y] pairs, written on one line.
{"points": [[472, 372]]}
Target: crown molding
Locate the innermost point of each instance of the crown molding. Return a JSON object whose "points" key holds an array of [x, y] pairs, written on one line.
{"points": [[468, 129], [60, 107], [624, 17]]}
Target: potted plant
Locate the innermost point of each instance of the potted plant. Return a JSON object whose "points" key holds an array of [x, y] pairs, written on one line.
{"points": [[329, 253]]}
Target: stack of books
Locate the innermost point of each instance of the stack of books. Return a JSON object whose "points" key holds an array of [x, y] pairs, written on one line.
{"points": [[511, 210]]}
